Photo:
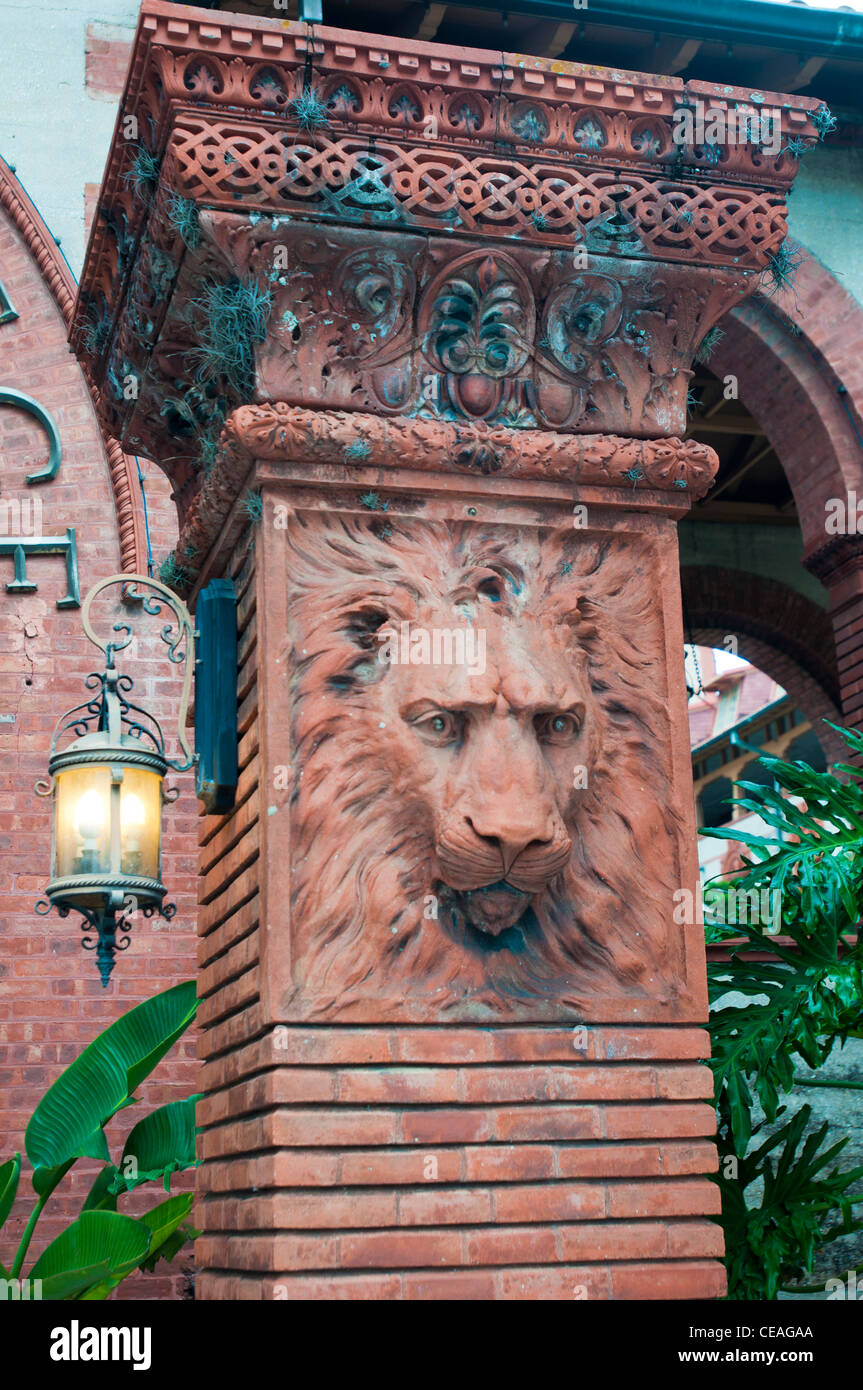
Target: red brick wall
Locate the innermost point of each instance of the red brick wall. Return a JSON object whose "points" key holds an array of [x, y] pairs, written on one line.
{"points": [[107, 48], [51, 999], [427, 1162]]}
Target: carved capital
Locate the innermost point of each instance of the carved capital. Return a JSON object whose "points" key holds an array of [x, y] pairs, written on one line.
{"points": [[671, 470], [412, 231]]}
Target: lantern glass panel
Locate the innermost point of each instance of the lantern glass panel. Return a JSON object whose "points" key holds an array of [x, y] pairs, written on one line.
{"points": [[140, 822], [82, 821]]}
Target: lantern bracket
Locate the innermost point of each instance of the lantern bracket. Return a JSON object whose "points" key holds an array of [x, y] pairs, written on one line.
{"points": [[111, 923], [113, 712]]}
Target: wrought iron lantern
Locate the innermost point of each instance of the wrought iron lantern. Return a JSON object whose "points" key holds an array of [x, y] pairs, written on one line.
{"points": [[107, 785]]}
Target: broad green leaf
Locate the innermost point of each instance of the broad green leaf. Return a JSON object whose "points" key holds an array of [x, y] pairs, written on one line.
{"points": [[166, 1239], [96, 1245], [159, 1145], [67, 1122], [100, 1197], [9, 1174], [164, 1221]]}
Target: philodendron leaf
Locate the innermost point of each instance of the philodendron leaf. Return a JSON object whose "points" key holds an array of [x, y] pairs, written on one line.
{"points": [[164, 1222], [67, 1122], [159, 1145], [101, 1197], [98, 1245], [9, 1173]]}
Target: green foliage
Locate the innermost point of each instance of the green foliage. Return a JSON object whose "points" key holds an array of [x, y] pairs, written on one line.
{"points": [[198, 417], [309, 110], [709, 342], [357, 450], [183, 214], [9, 1175], [374, 503], [143, 174], [102, 1246], [230, 320], [97, 332], [173, 574], [161, 1144], [824, 122], [781, 268], [98, 1245], [800, 1004], [253, 506], [797, 147], [776, 1240]]}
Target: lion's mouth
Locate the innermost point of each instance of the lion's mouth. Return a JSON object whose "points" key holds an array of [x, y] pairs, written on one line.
{"points": [[492, 908]]}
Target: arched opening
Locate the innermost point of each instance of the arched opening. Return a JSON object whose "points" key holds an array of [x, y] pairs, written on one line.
{"points": [[738, 715], [780, 401], [715, 803]]}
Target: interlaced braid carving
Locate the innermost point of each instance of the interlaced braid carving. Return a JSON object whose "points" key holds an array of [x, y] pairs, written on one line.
{"points": [[349, 180]]}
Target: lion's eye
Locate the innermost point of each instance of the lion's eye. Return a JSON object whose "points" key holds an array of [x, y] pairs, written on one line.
{"points": [[439, 728], [557, 728]]}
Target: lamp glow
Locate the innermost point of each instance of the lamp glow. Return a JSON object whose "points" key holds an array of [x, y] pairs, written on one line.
{"points": [[90, 816], [107, 789]]}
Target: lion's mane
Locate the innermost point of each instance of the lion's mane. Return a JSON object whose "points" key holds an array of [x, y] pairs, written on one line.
{"points": [[362, 831]]}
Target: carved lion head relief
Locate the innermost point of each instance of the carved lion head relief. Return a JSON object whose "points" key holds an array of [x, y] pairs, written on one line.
{"points": [[479, 782]]}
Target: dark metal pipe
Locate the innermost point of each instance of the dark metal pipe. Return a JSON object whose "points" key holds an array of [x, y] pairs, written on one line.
{"points": [[764, 23]]}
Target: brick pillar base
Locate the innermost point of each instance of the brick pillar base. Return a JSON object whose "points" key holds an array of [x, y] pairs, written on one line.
{"points": [[459, 1163], [405, 1132]]}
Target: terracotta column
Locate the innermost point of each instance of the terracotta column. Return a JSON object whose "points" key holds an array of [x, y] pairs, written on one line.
{"points": [[411, 329]]}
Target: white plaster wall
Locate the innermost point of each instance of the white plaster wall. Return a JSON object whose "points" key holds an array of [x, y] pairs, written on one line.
{"points": [[57, 134], [51, 128], [826, 212]]}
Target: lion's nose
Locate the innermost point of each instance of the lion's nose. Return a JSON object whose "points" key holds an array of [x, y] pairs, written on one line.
{"points": [[512, 833]]}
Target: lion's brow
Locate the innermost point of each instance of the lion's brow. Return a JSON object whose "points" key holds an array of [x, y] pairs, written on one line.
{"points": [[513, 705]]}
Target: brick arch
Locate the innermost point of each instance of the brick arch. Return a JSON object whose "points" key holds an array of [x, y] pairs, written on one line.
{"points": [[798, 359], [780, 631], [61, 284]]}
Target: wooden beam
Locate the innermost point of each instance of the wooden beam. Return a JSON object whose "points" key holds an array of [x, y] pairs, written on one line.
{"points": [[724, 424], [417, 21], [788, 76], [547, 40], [671, 56], [737, 473], [559, 41], [431, 23], [741, 512]]}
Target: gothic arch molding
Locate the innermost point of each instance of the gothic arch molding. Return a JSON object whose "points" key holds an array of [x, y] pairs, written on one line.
{"points": [[797, 358], [61, 284]]}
